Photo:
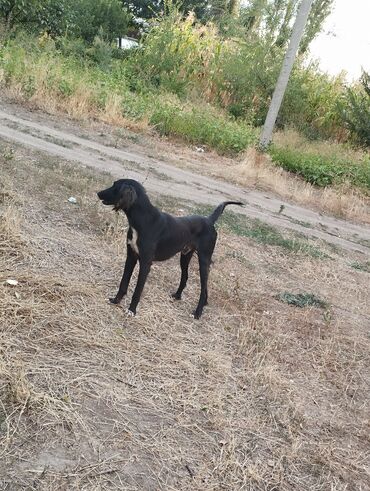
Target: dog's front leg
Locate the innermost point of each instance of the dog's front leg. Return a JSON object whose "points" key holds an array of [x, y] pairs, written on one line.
{"points": [[145, 266], [131, 260]]}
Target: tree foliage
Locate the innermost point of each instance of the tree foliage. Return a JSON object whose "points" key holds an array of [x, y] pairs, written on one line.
{"points": [[54, 17], [356, 110], [106, 18], [148, 9], [273, 20], [81, 18], [18, 11], [269, 19]]}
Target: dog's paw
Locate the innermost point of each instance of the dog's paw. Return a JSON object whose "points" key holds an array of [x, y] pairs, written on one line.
{"points": [[129, 313], [114, 300], [196, 314], [176, 296]]}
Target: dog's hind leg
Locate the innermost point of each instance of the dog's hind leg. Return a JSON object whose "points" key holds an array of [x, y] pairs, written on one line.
{"points": [[205, 252], [145, 266], [204, 265], [131, 260], [184, 262]]}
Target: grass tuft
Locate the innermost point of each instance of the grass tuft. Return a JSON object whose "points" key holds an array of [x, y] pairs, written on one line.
{"points": [[302, 300], [365, 267]]}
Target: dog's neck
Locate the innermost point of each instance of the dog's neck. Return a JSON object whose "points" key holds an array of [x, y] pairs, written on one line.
{"points": [[140, 213]]}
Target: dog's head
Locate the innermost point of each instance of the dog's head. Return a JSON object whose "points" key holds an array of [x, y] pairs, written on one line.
{"points": [[122, 195]]}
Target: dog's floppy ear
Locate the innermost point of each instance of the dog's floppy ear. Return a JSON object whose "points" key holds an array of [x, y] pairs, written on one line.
{"points": [[127, 197]]}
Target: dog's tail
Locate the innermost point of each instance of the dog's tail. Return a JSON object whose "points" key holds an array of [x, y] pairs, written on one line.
{"points": [[215, 215]]}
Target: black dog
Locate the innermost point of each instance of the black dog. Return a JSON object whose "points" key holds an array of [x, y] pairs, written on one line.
{"points": [[157, 236]]}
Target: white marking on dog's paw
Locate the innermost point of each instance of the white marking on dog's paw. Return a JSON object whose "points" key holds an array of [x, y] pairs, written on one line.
{"points": [[129, 313]]}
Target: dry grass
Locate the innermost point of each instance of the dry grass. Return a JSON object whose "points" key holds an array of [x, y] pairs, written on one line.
{"points": [[83, 104], [291, 138], [258, 395], [256, 170]]}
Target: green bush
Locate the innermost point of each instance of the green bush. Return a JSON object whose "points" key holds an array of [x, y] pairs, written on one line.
{"points": [[355, 110], [64, 87], [100, 53], [322, 170], [107, 19], [311, 104], [74, 47], [203, 125]]}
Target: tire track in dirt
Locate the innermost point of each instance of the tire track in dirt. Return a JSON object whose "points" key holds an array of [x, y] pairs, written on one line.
{"points": [[179, 183]]}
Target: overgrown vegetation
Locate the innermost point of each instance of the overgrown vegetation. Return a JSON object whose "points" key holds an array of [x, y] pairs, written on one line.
{"points": [[356, 110], [208, 80], [203, 125], [323, 170]]}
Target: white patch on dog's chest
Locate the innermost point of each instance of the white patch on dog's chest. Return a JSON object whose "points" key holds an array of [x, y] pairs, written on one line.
{"points": [[133, 242]]}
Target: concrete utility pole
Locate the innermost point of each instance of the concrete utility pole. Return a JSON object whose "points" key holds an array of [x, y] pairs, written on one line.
{"points": [[298, 28]]}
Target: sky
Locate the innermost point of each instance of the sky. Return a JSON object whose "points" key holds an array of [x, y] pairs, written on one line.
{"points": [[344, 43]]}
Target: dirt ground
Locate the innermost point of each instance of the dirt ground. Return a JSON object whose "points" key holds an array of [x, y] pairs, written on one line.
{"points": [[257, 395]]}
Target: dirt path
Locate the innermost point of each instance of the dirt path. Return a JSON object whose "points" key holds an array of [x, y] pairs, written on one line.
{"points": [[162, 178]]}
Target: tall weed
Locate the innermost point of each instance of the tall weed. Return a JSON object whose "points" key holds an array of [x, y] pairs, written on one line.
{"points": [[178, 54]]}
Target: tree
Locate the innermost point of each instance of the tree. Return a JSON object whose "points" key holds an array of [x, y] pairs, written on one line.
{"points": [[106, 18], [18, 11], [273, 19], [203, 9], [82, 18], [54, 17], [148, 9], [319, 11]]}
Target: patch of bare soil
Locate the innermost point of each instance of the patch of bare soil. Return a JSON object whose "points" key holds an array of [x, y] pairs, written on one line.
{"points": [[257, 395]]}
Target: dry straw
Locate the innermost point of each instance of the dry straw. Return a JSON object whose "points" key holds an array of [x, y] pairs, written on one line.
{"points": [[258, 395]]}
